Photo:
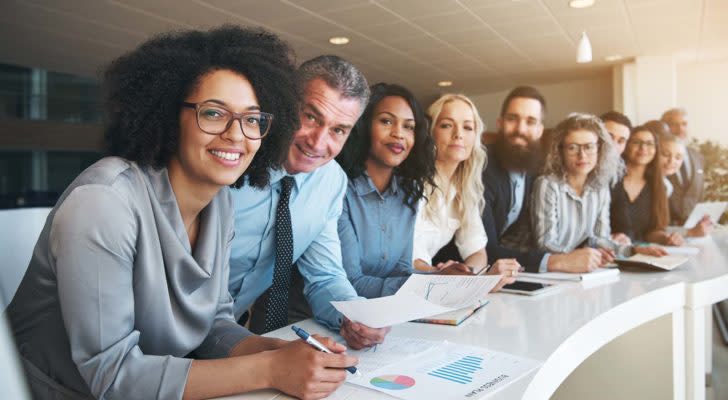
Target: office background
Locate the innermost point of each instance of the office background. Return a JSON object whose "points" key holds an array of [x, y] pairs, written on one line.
{"points": [[648, 55]]}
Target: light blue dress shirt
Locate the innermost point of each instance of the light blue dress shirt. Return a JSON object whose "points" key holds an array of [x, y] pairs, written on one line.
{"points": [[518, 189], [376, 232], [315, 205]]}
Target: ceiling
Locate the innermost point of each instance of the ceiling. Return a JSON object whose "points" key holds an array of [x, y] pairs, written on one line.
{"points": [[481, 45]]}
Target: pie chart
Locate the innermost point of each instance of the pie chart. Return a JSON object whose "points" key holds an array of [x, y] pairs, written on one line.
{"points": [[393, 382]]}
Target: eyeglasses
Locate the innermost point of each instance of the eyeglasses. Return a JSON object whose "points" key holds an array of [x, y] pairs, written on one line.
{"points": [[215, 120], [639, 143], [575, 148]]}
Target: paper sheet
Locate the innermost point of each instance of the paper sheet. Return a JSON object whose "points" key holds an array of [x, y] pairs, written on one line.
{"points": [[713, 209], [598, 273], [448, 371], [421, 296], [394, 349], [352, 392], [454, 291], [681, 250], [388, 310]]}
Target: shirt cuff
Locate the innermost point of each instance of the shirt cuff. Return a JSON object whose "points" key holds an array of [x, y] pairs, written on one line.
{"points": [[544, 266], [222, 339]]}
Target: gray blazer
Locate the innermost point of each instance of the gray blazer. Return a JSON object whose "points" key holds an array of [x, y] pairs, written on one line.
{"points": [[686, 195], [114, 299]]}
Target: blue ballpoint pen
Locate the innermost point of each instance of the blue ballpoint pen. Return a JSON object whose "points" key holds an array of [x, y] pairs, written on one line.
{"points": [[318, 346]]}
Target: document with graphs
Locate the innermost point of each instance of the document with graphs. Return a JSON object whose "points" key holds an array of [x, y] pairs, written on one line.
{"points": [[448, 371]]}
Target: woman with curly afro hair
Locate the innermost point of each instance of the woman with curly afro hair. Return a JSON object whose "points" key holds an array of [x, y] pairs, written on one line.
{"points": [[126, 292]]}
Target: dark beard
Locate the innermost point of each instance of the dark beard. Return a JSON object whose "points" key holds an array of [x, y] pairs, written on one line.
{"points": [[515, 158]]}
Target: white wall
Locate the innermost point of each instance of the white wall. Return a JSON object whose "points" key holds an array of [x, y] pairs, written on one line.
{"points": [[589, 95], [702, 89]]}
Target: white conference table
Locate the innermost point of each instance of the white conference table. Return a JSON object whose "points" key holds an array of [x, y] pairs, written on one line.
{"points": [[706, 284], [565, 327]]}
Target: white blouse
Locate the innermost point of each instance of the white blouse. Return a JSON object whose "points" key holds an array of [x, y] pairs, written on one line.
{"points": [[432, 234]]}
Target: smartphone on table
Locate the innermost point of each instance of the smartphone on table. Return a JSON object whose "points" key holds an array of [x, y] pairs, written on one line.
{"points": [[528, 288]]}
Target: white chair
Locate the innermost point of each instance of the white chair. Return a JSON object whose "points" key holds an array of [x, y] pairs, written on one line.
{"points": [[19, 230], [12, 380]]}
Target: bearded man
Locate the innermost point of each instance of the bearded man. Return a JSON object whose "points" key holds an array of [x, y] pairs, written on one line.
{"points": [[513, 161]]}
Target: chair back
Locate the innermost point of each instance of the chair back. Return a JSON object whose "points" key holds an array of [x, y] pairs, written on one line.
{"points": [[12, 379], [19, 231]]}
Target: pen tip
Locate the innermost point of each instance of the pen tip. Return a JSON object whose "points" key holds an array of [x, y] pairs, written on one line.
{"points": [[357, 373]]}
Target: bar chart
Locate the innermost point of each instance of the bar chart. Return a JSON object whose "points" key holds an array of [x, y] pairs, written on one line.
{"points": [[460, 371]]}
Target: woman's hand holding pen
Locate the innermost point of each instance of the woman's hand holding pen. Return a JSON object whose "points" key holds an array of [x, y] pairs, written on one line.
{"points": [[306, 373]]}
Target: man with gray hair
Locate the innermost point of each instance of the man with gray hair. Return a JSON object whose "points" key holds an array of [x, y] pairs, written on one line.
{"points": [[293, 222], [688, 183]]}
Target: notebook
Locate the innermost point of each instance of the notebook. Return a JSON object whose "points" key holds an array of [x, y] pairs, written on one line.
{"points": [[666, 263], [598, 273], [454, 317]]}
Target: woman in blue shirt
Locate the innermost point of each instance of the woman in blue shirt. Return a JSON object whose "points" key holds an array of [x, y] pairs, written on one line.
{"points": [[388, 159]]}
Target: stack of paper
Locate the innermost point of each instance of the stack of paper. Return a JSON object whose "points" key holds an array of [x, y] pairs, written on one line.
{"points": [[598, 273]]}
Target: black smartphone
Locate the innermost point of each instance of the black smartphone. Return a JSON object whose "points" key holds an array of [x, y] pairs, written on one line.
{"points": [[527, 288]]}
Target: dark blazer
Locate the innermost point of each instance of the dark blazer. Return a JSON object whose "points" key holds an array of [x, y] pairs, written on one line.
{"points": [[686, 195], [497, 195]]}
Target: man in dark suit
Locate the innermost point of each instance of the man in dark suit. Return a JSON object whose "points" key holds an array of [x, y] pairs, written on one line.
{"points": [[513, 161], [688, 182]]}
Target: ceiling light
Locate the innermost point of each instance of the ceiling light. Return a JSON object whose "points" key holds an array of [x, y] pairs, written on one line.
{"points": [[444, 83], [614, 57], [584, 50], [339, 40], [581, 3]]}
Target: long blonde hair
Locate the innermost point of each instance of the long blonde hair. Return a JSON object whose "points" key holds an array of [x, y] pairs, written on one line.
{"points": [[467, 176]]}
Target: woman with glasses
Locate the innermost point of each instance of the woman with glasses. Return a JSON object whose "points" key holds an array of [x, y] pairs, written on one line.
{"points": [[639, 201], [126, 293], [455, 202], [571, 199]]}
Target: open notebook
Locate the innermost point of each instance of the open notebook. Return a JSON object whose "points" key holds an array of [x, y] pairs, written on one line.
{"points": [[454, 317], [667, 263]]}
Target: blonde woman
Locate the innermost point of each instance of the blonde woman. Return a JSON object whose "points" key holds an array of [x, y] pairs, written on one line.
{"points": [[454, 205], [671, 156]]}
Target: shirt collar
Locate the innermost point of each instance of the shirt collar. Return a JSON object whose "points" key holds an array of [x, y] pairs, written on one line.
{"points": [[277, 174], [364, 185], [588, 188], [517, 175]]}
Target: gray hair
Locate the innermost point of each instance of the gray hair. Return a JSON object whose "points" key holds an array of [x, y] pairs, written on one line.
{"points": [[338, 73], [609, 166], [673, 111]]}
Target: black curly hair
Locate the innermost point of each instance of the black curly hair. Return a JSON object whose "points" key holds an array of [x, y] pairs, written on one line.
{"points": [[143, 90], [417, 169]]}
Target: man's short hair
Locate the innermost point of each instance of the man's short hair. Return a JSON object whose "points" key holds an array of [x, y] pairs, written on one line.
{"points": [[528, 92], [673, 111], [338, 73], [617, 117]]}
